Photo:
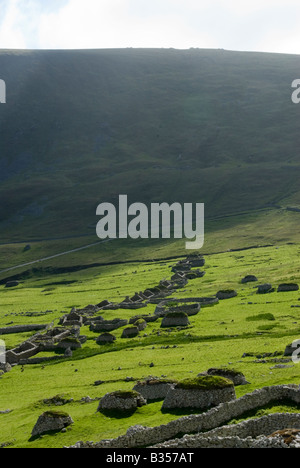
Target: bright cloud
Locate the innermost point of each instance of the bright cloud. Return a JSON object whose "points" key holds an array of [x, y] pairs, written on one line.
{"points": [[258, 25]]}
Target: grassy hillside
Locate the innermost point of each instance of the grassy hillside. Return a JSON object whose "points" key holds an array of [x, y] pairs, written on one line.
{"points": [[82, 127], [241, 333]]}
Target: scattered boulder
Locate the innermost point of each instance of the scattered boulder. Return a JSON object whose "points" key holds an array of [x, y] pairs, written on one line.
{"points": [[121, 400], [288, 287], [5, 367], [264, 288], [57, 400], [202, 392], [237, 377], [175, 319], [249, 279], [105, 338], [68, 353], [154, 388], [51, 421], [226, 294]]}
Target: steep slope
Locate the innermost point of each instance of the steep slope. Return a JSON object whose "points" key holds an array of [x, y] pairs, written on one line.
{"points": [[82, 127]]}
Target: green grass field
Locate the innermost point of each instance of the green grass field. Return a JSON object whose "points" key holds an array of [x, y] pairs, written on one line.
{"points": [[190, 126], [218, 336]]}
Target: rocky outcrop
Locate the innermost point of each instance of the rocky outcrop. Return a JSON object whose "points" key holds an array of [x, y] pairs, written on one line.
{"points": [[51, 421]]}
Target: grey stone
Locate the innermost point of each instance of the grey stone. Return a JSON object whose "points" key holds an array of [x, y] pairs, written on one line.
{"points": [[121, 401], [51, 421]]}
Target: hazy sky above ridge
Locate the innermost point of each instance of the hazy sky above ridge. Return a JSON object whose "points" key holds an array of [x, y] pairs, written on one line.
{"points": [[245, 25]]}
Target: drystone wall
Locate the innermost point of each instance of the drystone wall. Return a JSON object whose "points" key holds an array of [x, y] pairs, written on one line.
{"points": [[212, 419], [181, 398], [244, 434]]}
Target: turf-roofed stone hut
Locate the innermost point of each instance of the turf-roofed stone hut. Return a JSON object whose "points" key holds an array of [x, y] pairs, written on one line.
{"points": [[201, 392], [121, 400], [175, 319], [130, 332], [226, 294], [105, 338], [51, 421], [154, 388]]}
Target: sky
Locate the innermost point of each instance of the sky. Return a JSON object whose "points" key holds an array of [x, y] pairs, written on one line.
{"points": [[244, 25]]}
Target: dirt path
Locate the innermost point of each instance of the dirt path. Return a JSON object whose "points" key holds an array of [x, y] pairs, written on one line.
{"points": [[53, 256]]}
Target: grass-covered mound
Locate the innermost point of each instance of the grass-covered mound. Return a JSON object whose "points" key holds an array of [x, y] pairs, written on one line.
{"points": [[205, 382], [157, 381], [125, 394]]}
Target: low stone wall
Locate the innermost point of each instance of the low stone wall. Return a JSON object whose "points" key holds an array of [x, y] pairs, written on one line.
{"points": [[214, 418], [21, 329], [108, 325], [40, 360], [189, 309], [235, 435], [24, 351]]}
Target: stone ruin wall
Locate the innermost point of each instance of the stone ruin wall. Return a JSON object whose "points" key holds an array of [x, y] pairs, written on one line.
{"points": [[242, 435], [212, 419]]}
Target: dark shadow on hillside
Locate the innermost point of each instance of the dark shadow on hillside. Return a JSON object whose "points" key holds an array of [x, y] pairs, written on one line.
{"points": [[181, 411], [115, 414]]}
